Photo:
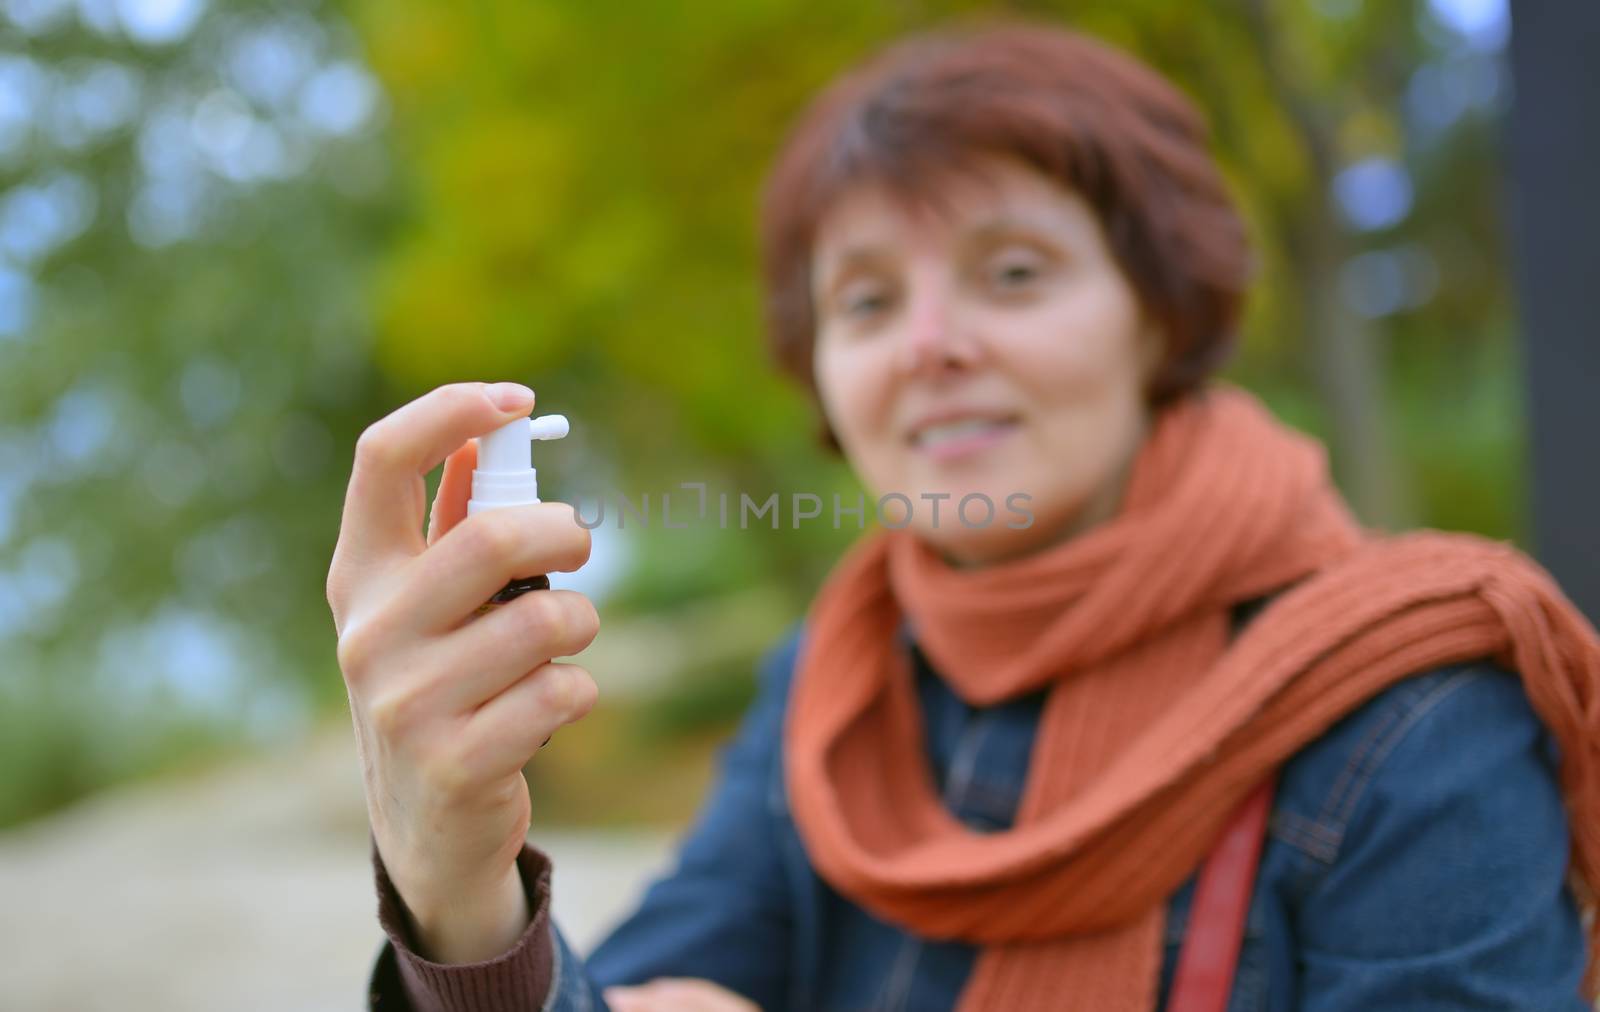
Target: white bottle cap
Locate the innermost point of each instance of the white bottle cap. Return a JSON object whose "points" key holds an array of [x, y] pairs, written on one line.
{"points": [[505, 475]]}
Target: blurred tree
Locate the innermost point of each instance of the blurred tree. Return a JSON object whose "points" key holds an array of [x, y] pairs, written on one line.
{"points": [[1356, 134], [191, 196]]}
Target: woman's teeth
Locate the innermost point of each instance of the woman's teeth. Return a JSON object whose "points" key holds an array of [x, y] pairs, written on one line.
{"points": [[936, 434]]}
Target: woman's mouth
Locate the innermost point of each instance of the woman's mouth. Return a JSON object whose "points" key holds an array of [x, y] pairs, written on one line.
{"points": [[953, 440]]}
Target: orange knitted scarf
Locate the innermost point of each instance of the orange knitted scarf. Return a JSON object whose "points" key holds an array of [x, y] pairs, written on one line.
{"points": [[1155, 728]]}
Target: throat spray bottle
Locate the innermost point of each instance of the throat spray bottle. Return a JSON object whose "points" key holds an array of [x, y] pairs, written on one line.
{"points": [[505, 476]]}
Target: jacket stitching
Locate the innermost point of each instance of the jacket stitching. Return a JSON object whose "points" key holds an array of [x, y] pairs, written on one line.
{"points": [[1357, 756], [1382, 746], [1394, 710], [1423, 707], [1305, 835], [964, 764]]}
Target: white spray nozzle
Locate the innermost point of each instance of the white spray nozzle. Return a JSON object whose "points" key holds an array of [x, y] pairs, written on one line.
{"points": [[548, 427], [505, 475]]}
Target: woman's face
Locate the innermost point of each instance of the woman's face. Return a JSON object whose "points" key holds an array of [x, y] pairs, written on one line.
{"points": [[992, 348]]}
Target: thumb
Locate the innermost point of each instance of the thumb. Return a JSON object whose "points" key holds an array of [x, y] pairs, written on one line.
{"points": [[455, 488]]}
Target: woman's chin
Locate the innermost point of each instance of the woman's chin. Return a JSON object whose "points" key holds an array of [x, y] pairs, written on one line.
{"points": [[970, 547]]}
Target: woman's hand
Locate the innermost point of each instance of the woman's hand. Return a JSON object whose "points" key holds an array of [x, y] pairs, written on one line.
{"points": [[677, 994], [449, 707]]}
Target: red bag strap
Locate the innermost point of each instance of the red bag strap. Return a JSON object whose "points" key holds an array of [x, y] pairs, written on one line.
{"points": [[1203, 980]]}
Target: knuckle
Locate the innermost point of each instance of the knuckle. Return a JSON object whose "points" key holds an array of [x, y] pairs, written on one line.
{"points": [[556, 690], [463, 394], [338, 590], [333, 591], [543, 620], [355, 650], [561, 618], [490, 538], [374, 447], [394, 714], [569, 691]]}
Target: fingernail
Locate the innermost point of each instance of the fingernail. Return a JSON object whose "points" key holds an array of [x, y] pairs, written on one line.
{"points": [[510, 396]]}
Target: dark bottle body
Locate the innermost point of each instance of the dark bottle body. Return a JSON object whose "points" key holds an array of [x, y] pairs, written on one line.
{"points": [[513, 590]]}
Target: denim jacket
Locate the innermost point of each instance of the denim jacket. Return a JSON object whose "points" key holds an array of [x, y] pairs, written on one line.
{"points": [[1415, 860]]}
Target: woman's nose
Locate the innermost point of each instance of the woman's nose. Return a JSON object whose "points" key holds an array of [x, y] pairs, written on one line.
{"points": [[932, 340]]}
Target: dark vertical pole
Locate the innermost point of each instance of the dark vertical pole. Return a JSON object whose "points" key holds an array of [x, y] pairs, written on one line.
{"points": [[1554, 135]]}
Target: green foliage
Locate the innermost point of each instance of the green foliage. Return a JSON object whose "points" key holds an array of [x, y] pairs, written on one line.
{"points": [[561, 193], [178, 406]]}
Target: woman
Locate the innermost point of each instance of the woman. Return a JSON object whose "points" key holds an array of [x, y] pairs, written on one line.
{"points": [[988, 769]]}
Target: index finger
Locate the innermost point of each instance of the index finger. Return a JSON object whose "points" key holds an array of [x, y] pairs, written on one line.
{"points": [[455, 488], [383, 506]]}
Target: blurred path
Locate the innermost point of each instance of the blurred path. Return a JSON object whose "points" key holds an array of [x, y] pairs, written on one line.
{"points": [[245, 888]]}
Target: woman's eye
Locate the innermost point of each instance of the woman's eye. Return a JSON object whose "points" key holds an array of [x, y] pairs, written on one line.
{"points": [[1014, 273], [863, 303]]}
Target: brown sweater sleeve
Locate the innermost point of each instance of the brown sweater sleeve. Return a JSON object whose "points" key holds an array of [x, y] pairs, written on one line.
{"points": [[517, 980]]}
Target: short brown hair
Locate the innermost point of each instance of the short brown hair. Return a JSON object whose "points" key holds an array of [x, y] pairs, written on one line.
{"points": [[1086, 114]]}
